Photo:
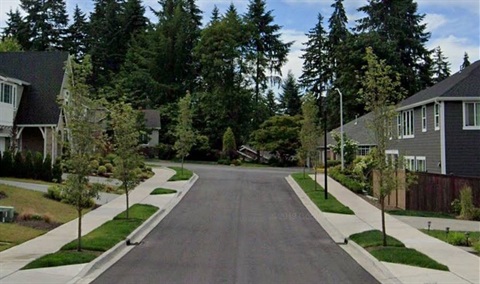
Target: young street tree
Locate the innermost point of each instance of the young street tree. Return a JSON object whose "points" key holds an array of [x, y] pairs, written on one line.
{"points": [[309, 131], [126, 139], [229, 145], [84, 137], [381, 88], [184, 132]]}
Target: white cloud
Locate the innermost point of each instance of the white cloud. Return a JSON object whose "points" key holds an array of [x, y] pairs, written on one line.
{"points": [[434, 21], [454, 47], [470, 5], [294, 62]]}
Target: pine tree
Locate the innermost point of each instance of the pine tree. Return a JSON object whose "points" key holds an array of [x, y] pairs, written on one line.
{"points": [[440, 66], [215, 15], [76, 41], [400, 40], [272, 105], [266, 52], [290, 99], [337, 37], [315, 59], [57, 19], [134, 20], [17, 28], [466, 62]]}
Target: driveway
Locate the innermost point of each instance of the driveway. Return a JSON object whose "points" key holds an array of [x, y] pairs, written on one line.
{"points": [[237, 225]]}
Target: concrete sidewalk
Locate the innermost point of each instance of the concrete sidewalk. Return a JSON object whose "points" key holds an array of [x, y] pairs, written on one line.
{"points": [[13, 259], [464, 267]]}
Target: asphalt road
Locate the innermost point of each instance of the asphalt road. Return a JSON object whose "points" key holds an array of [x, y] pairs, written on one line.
{"points": [[237, 225]]}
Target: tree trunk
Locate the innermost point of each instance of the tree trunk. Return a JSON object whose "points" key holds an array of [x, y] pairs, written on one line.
{"points": [[128, 202], [79, 236], [181, 171], [384, 231], [126, 190]]}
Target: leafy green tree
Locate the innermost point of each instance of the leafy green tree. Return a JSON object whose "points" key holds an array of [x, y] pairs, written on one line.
{"points": [[229, 145], [290, 99], [126, 139], [9, 44], [466, 62], [309, 131], [440, 65], [349, 147], [82, 115], [402, 33], [76, 40], [279, 135], [265, 51], [381, 89], [184, 131]]}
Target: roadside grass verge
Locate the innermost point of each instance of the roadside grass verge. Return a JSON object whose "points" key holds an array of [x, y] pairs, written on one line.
{"points": [[27, 180], [457, 238], [160, 190], [97, 241], [420, 214], [181, 175], [395, 251], [12, 234], [331, 205]]}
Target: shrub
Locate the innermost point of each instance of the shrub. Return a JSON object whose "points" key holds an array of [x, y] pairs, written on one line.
{"points": [[7, 164], [109, 167], [57, 171], [48, 218], [223, 162], [476, 214], [28, 165], [456, 207], [94, 164], [476, 246], [110, 158], [346, 181], [236, 162], [457, 239], [18, 166], [466, 202], [37, 165], [333, 163], [101, 170], [54, 192], [47, 168], [29, 214]]}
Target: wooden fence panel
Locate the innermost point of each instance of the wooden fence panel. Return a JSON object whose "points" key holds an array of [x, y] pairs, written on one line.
{"points": [[435, 192]]}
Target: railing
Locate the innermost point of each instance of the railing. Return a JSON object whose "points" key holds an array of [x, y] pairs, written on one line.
{"points": [[6, 114]]}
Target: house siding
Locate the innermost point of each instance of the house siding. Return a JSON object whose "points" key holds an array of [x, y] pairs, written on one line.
{"points": [[424, 144], [462, 147]]}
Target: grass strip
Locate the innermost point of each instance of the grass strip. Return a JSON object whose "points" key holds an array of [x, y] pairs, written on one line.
{"points": [[12, 234], [184, 174], [456, 238], [395, 251], [99, 240], [160, 190], [420, 214], [331, 204]]}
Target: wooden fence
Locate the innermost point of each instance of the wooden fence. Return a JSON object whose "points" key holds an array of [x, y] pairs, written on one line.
{"points": [[435, 192]]}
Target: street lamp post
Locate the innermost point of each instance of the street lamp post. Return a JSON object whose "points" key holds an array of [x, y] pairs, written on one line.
{"points": [[341, 129], [324, 94]]}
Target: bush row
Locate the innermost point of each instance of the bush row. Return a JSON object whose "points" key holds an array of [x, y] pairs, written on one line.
{"points": [[29, 165], [56, 193], [345, 180]]}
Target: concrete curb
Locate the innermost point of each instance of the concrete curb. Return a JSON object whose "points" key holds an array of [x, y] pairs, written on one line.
{"points": [[110, 257], [360, 255]]}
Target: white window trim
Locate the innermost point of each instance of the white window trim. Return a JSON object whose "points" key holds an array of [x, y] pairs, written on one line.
{"points": [[424, 118], [409, 160], [399, 125], [420, 158], [436, 114], [411, 124], [465, 127]]}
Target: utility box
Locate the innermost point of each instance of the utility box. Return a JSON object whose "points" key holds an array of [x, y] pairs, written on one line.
{"points": [[7, 214]]}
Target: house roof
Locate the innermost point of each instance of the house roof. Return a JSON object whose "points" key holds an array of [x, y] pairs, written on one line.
{"points": [[44, 71], [463, 84], [152, 118], [356, 130]]}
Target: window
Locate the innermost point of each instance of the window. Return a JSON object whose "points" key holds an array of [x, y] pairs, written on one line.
{"points": [[421, 164], [424, 119], [471, 115], [405, 124], [8, 93], [437, 116], [363, 150], [409, 163]]}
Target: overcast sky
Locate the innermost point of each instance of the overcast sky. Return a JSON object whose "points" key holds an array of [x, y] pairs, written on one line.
{"points": [[454, 24]]}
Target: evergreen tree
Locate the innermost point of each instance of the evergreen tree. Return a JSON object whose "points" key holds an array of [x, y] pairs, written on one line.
{"points": [[18, 165], [272, 105], [7, 164], [466, 62], [29, 169], [47, 169], [315, 59], [337, 37], [401, 40], [134, 20], [440, 65], [266, 52], [57, 19], [229, 146], [17, 29], [215, 15], [76, 42], [290, 99]]}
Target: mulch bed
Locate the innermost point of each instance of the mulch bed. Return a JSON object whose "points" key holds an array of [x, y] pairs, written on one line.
{"points": [[38, 224]]}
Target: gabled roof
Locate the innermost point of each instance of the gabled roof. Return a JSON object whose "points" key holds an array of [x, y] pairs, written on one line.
{"points": [[152, 118], [44, 71], [463, 84], [356, 130]]}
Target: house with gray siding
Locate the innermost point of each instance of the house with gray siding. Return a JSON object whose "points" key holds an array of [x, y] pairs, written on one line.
{"points": [[30, 85], [436, 130]]}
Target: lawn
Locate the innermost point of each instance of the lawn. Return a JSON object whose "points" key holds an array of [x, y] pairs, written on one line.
{"points": [[35, 181], [160, 190], [12, 234], [331, 204], [99, 240], [456, 238], [180, 174], [420, 214], [395, 251]]}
